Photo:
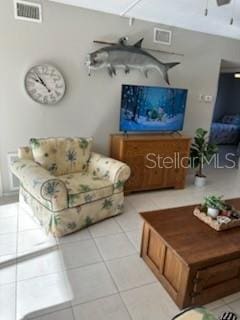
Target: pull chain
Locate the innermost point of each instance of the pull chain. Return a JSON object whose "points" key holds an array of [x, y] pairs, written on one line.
{"points": [[206, 9], [232, 18]]}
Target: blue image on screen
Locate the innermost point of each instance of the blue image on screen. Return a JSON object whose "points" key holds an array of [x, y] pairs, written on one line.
{"points": [[152, 108]]}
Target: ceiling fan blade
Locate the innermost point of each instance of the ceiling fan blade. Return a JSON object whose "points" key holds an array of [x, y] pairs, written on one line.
{"points": [[223, 2]]}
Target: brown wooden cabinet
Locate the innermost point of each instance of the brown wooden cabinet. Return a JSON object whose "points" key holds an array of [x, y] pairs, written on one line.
{"points": [[156, 160]]}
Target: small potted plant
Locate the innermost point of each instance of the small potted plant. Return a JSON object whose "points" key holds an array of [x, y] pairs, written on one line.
{"points": [[214, 205], [201, 152]]}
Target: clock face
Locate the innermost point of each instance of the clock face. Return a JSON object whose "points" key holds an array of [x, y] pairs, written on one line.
{"points": [[45, 84]]}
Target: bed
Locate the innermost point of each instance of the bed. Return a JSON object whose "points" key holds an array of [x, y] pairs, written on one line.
{"points": [[226, 131]]}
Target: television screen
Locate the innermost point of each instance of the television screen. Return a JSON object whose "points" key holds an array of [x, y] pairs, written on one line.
{"points": [[152, 108]]}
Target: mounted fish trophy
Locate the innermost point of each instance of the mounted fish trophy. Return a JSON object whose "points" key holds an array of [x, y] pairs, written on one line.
{"points": [[129, 57]]}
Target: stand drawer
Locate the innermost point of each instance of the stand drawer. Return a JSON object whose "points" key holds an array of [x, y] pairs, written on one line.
{"points": [[157, 147]]}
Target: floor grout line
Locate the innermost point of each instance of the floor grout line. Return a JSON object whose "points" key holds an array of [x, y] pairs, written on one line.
{"points": [[108, 235], [72, 268], [117, 293], [229, 306], [125, 305], [115, 285], [73, 305], [66, 269]]}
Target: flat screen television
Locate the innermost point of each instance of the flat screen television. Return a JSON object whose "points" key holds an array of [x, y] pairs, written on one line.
{"points": [[148, 109]]}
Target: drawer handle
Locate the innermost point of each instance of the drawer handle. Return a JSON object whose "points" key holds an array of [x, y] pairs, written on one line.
{"points": [[195, 294], [197, 280]]}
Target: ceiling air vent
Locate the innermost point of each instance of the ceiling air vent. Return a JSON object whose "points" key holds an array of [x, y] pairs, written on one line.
{"points": [[28, 11], [162, 36], [223, 2]]}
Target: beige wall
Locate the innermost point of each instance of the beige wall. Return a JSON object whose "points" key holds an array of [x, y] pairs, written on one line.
{"points": [[91, 104]]}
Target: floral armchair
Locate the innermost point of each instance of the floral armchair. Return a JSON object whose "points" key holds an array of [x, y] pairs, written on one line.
{"points": [[67, 186]]}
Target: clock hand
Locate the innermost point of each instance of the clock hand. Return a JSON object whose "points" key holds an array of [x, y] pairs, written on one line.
{"points": [[39, 79], [42, 82]]}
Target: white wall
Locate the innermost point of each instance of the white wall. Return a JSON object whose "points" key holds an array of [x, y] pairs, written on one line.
{"points": [[91, 104], [1, 189]]}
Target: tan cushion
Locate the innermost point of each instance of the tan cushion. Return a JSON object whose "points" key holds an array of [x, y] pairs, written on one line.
{"points": [[62, 155], [84, 188]]}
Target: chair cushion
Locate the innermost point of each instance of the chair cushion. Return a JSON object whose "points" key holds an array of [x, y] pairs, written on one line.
{"points": [[83, 188], [62, 155]]}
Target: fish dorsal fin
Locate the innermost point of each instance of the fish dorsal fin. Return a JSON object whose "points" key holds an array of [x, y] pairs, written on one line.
{"points": [[138, 44], [123, 41]]}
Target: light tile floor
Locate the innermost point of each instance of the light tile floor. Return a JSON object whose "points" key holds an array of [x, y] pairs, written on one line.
{"points": [[94, 274]]}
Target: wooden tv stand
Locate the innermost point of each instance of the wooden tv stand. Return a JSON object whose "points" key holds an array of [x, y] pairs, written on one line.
{"points": [[156, 160]]}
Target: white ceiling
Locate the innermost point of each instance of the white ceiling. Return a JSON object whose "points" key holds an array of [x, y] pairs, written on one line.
{"points": [[188, 14]]}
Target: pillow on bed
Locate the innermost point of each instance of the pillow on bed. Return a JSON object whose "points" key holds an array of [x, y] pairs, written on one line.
{"points": [[232, 119]]}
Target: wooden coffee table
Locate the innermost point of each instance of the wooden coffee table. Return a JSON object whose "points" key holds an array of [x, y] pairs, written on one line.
{"points": [[194, 263]]}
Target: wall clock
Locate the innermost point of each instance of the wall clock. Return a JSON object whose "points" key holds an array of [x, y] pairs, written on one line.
{"points": [[45, 84]]}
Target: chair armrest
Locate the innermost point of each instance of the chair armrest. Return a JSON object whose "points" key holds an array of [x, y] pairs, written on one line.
{"points": [[110, 169], [46, 188], [25, 153]]}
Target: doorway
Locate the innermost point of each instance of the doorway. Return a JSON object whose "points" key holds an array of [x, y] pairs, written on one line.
{"points": [[225, 127]]}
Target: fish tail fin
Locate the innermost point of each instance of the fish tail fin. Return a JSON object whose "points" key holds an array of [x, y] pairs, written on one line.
{"points": [[168, 66], [166, 78], [138, 44]]}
